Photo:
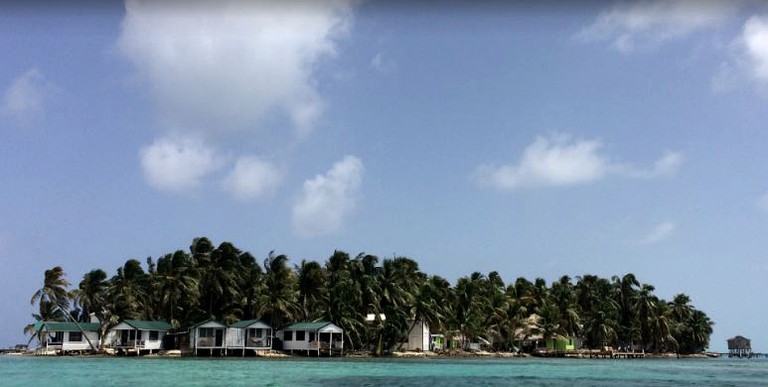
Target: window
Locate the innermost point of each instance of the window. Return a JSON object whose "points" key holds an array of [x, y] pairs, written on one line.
{"points": [[75, 336], [256, 333], [206, 332], [153, 335], [300, 335], [311, 336], [56, 337], [288, 336]]}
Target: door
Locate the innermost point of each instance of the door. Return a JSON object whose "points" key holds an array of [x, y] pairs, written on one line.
{"points": [[219, 337]]}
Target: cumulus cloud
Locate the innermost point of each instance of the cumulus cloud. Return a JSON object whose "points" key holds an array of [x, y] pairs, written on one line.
{"points": [[659, 233], [178, 164], [253, 178], [561, 160], [327, 200], [629, 25], [23, 100], [223, 65], [755, 40], [554, 161]]}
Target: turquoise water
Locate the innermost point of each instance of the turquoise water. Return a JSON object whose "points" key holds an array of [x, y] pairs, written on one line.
{"points": [[72, 371]]}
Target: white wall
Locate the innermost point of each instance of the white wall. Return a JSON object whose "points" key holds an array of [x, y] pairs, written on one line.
{"points": [[80, 345], [418, 337]]}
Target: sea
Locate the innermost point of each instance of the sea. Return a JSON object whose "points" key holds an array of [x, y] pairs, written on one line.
{"points": [[108, 371]]}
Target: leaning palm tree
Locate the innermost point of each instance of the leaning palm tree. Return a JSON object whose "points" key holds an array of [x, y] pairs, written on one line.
{"points": [[54, 290], [54, 297]]}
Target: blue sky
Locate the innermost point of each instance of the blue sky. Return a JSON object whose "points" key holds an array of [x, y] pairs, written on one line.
{"points": [[535, 140]]}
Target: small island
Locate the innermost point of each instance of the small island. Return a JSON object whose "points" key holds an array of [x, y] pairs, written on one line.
{"points": [[222, 301]]}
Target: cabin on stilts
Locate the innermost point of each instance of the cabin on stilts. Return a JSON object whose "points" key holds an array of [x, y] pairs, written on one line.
{"points": [[313, 338], [138, 336], [67, 337], [249, 336], [208, 338], [739, 346]]}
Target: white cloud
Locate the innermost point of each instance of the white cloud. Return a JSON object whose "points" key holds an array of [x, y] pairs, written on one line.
{"points": [[629, 25], [178, 164], [253, 178], [327, 200], [660, 232], [755, 40], [383, 64], [24, 98], [554, 161], [224, 65], [665, 166], [561, 160]]}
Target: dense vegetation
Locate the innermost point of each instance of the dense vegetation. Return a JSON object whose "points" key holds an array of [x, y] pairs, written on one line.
{"points": [[229, 285]]}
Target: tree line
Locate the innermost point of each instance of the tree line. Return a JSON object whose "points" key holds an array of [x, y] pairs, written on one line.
{"points": [[228, 284]]}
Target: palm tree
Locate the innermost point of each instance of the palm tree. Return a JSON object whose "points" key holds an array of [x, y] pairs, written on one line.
{"points": [[54, 291], [312, 291], [53, 296], [278, 304]]}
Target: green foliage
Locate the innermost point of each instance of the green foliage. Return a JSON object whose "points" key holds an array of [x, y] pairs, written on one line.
{"points": [[228, 284]]}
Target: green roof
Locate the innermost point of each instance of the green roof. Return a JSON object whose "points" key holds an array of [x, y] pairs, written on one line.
{"points": [[307, 326], [56, 326], [149, 325], [245, 323]]}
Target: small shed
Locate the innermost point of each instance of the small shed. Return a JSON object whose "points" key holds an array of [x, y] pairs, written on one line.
{"points": [[418, 336], [208, 337], [321, 337], [253, 335], [739, 346], [67, 336], [138, 335]]}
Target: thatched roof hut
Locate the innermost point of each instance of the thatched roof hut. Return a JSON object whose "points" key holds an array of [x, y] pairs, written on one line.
{"points": [[739, 342], [739, 346]]}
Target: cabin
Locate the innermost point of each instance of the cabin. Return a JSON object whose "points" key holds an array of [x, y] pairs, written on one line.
{"points": [[563, 343], [436, 342], [138, 336], [418, 336], [208, 338], [320, 338], [249, 335], [65, 337], [739, 346]]}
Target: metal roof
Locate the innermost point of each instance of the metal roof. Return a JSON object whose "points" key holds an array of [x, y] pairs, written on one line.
{"points": [[307, 326], [149, 325], [57, 326], [247, 323]]}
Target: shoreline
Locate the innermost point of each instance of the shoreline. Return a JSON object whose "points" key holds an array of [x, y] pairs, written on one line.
{"points": [[455, 354]]}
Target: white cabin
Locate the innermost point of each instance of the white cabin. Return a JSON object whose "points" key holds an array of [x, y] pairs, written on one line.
{"points": [[209, 337], [418, 336], [67, 336], [138, 335], [313, 337], [253, 335]]}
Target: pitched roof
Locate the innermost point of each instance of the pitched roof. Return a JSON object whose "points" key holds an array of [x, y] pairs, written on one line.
{"points": [[247, 323], [206, 321], [57, 326], [307, 326], [149, 325]]}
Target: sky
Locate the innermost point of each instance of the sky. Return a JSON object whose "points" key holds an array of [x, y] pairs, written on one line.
{"points": [[533, 139]]}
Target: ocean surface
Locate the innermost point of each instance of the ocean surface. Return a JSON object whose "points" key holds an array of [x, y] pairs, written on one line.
{"points": [[74, 371]]}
